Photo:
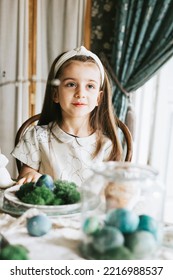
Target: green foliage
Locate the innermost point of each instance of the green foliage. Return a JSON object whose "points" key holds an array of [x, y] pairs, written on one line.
{"points": [[40, 196], [25, 189], [14, 252], [57, 201], [64, 192], [67, 191]]}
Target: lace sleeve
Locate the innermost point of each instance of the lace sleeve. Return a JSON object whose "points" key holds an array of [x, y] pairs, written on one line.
{"points": [[27, 150]]}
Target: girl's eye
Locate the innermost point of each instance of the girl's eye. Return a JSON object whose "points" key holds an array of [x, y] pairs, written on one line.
{"points": [[70, 84], [90, 86]]}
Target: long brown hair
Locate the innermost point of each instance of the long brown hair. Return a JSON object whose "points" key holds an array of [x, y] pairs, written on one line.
{"points": [[103, 119]]}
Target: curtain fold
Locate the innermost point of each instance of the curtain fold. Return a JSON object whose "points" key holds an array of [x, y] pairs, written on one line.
{"points": [[145, 30], [140, 40], [13, 73]]}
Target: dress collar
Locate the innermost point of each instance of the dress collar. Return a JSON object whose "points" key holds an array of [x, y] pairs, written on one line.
{"points": [[64, 137]]}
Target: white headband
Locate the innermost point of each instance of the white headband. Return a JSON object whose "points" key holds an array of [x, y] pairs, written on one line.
{"points": [[79, 51]]}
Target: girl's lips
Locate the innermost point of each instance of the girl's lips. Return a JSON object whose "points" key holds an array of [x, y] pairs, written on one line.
{"points": [[78, 104]]}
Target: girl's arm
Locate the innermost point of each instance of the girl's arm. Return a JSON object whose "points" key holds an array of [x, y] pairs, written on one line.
{"points": [[27, 174]]}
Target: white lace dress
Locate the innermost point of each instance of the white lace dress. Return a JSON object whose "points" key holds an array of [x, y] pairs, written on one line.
{"points": [[63, 156]]}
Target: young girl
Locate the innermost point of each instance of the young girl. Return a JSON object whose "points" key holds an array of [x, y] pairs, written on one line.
{"points": [[77, 127]]}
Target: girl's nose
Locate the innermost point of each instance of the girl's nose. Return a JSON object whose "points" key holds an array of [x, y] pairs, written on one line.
{"points": [[79, 93]]}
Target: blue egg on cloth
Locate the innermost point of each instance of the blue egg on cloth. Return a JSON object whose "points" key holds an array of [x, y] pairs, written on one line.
{"points": [[126, 221], [45, 180], [38, 225], [107, 238], [148, 223]]}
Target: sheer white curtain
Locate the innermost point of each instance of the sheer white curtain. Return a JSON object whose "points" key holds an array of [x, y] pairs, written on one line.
{"points": [[154, 130], [13, 73], [60, 26], [145, 110]]}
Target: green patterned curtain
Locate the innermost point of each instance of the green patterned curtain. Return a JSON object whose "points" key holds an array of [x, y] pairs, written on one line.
{"points": [[137, 38]]}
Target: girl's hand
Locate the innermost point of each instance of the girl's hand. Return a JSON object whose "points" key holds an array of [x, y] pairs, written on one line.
{"points": [[28, 175]]}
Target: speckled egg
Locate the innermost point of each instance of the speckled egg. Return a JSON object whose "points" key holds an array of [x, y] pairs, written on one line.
{"points": [[91, 225], [148, 223], [38, 225], [107, 238], [126, 221], [141, 243], [45, 180]]}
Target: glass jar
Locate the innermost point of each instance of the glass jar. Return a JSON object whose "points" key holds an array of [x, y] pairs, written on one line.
{"points": [[126, 216]]}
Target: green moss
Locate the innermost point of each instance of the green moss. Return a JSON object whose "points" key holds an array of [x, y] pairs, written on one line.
{"points": [[25, 189], [40, 196], [62, 193], [14, 252], [67, 191]]}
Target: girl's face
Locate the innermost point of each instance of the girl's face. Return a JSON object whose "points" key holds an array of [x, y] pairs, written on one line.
{"points": [[79, 90]]}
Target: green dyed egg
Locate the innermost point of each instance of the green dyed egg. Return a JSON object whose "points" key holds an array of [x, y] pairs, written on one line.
{"points": [[126, 221], [107, 238], [148, 223], [91, 225], [141, 243]]}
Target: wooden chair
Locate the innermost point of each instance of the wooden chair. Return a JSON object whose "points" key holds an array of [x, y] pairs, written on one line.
{"points": [[35, 118]]}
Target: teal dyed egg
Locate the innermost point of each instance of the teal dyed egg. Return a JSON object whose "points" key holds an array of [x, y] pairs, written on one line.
{"points": [[119, 253], [38, 225], [148, 223], [141, 243], [107, 238], [126, 221], [45, 180], [91, 225]]}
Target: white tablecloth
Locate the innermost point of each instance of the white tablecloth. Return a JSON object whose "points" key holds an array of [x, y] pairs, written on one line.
{"points": [[60, 243]]}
